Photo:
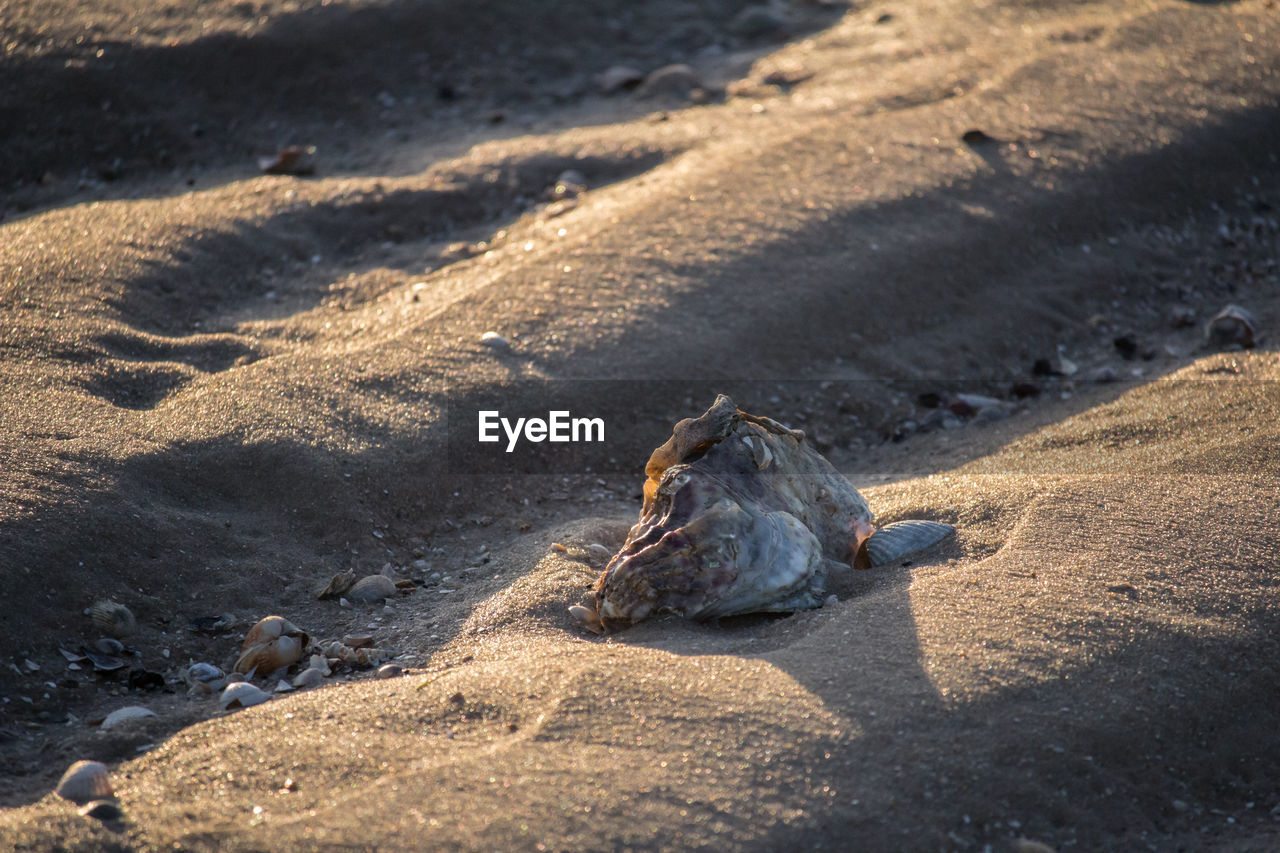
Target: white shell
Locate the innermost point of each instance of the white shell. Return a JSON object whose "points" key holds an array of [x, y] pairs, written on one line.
{"points": [[242, 694], [372, 589], [121, 715], [308, 678], [113, 619], [84, 782], [390, 670], [495, 341]]}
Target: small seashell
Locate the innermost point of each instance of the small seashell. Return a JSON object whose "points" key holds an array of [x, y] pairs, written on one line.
{"points": [[122, 715], [85, 781], [73, 657], [113, 619], [104, 663], [109, 646], [338, 584], [390, 670], [242, 694], [205, 673], [102, 810], [272, 643], [1231, 325], [600, 552], [310, 677], [372, 589], [358, 641], [321, 663], [493, 340], [283, 686]]}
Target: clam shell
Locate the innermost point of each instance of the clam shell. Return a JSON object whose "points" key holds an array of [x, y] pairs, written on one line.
{"points": [[309, 677], [272, 643], [84, 782], [122, 715], [372, 589], [242, 694], [109, 646], [113, 619], [1232, 325], [204, 673]]}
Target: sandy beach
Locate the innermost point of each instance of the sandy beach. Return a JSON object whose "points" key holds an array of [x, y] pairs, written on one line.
{"points": [[970, 249]]}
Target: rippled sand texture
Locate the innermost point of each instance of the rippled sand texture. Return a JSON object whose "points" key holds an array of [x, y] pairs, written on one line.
{"points": [[221, 388]]}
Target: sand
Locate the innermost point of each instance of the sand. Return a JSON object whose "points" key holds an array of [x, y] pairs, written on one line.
{"points": [[222, 388]]}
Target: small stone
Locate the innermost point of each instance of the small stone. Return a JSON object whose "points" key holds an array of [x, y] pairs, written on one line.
{"points": [[1027, 845], [1105, 374], [358, 641], [493, 340], [1179, 806], [390, 670], [599, 552]]}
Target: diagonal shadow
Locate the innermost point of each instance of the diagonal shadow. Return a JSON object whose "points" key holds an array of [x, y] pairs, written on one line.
{"points": [[336, 74]]}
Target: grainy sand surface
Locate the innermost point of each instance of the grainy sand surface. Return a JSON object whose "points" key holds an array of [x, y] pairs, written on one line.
{"points": [[221, 388]]}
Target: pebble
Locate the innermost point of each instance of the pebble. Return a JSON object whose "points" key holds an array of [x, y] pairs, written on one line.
{"points": [[390, 670], [493, 340], [600, 552], [1105, 374]]}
